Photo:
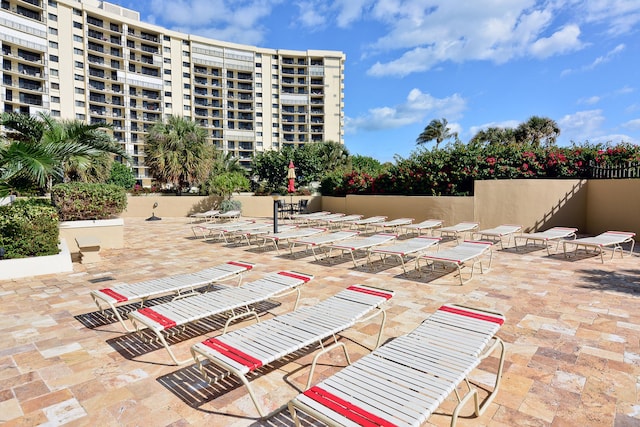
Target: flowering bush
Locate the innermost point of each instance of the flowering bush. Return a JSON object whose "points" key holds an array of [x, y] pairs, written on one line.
{"points": [[452, 170]]}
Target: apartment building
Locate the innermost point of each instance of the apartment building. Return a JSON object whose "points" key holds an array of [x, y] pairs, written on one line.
{"points": [[97, 62]]}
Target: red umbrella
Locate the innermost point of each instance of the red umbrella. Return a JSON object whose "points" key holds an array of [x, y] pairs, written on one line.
{"points": [[291, 175]]}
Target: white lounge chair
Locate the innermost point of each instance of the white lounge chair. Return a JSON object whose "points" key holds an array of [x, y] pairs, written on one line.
{"points": [[469, 251], [403, 249], [426, 225], [210, 214], [555, 234], [497, 234], [163, 318], [608, 240], [393, 225], [289, 235], [314, 242], [403, 382], [337, 222], [324, 219], [257, 233], [247, 349], [229, 215], [458, 229], [142, 291], [307, 217], [366, 222], [238, 230], [361, 244], [208, 230]]}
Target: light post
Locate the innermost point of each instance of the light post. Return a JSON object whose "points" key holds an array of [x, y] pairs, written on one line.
{"points": [[276, 205]]}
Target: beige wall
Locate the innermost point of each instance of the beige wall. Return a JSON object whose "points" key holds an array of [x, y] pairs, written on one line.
{"points": [[614, 204], [536, 204], [592, 206]]}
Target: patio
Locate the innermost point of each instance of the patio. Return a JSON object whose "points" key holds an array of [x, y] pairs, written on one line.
{"points": [[573, 352]]}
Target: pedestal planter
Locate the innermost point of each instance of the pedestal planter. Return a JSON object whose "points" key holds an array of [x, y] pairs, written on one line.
{"points": [[37, 266], [110, 233]]}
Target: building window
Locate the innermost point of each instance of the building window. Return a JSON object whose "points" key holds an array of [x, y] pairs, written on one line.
{"points": [[167, 93], [55, 86], [185, 42], [77, 25], [55, 113], [167, 71], [166, 38], [79, 90], [53, 3], [186, 64], [167, 49], [55, 99], [53, 31], [80, 116], [53, 44], [187, 96], [167, 82], [167, 60], [258, 75], [185, 53], [186, 107], [167, 105], [79, 64], [77, 38], [78, 77], [258, 65], [53, 58], [53, 17], [186, 75], [77, 12], [79, 103], [187, 86], [77, 51]]}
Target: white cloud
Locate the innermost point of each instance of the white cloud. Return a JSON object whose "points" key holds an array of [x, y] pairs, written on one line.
{"points": [[591, 100], [417, 106], [582, 125], [598, 61], [350, 11], [620, 16], [504, 124], [632, 124], [311, 14], [565, 40]]}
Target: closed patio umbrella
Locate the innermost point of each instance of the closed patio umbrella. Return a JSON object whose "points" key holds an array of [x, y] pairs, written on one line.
{"points": [[291, 176]]}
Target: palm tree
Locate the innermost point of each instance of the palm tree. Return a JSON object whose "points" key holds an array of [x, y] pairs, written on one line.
{"points": [[494, 136], [538, 131], [227, 162], [436, 130], [40, 150], [177, 153]]}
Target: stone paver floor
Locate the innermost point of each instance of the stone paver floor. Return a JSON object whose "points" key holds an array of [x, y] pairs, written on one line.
{"points": [[572, 337]]}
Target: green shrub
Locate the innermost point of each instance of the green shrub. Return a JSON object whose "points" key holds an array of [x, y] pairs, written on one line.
{"points": [[122, 176], [230, 205], [83, 201], [29, 228]]}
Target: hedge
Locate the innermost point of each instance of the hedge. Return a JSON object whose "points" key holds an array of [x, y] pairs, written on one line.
{"points": [[86, 201], [29, 228]]}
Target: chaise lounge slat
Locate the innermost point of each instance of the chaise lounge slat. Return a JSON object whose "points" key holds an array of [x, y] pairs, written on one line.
{"points": [[555, 234], [411, 247], [608, 240], [469, 251]]}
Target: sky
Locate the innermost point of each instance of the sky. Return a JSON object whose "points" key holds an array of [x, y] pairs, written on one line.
{"points": [[476, 63]]}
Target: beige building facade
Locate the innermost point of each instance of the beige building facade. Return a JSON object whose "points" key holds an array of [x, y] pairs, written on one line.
{"points": [[97, 62]]}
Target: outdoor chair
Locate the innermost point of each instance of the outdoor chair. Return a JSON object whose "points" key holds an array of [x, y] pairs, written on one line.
{"points": [[458, 229], [209, 230], [555, 234], [426, 225], [314, 242], [178, 284], [288, 236], [171, 318], [609, 240], [324, 218], [208, 215], [360, 244], [247, 349], [498, 233], [307, 217], [467, 252], [393, 225], [404, 249], [337, 222], [366, 222], [403, 382], [229, 215]]}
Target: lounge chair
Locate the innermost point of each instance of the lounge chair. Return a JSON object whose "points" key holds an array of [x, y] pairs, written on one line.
{"points": [[498, 233], [324, 240], [210, 214], [257, 233], [403, 382], [469, 251], [393, 225], [456, 230], [426, 225], [142, 291], [289, 235], [163, 318], [208, 230], [244, 350], [307, 217], [555, 234], [238, 230], [337, 222], [403, 249], [361, 244], [366, 222], [609, 240], [324, 219], [229, 215]]}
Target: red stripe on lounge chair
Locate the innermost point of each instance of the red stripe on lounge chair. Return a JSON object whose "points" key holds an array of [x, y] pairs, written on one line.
{"points": [[113, 294], [385, 295], [624, 233], [472, 314], [296, 276], [241, 264], [157, 317], [233, 353], [348, 410]]}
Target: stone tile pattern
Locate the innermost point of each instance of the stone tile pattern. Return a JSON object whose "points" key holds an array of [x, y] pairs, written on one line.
{"points": [[572, 336]]}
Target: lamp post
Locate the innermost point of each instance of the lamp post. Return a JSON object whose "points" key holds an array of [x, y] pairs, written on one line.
{"points": [[275, 196]]}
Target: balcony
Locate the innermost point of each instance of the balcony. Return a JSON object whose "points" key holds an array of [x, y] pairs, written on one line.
{"points": [[95, 21]]}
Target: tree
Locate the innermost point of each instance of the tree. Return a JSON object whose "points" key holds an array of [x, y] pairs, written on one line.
{"points": [[227, 162], [436, 130], [538, 131], [40, 150], [494, 136], [122, 176], [177, 153], [226, 183]]}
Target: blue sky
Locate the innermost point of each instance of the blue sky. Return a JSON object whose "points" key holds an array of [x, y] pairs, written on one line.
{"points": [[475, 63]]}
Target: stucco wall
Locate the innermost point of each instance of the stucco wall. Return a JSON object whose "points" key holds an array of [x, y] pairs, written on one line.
{"points": [[536, 204], [614, 204]]}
